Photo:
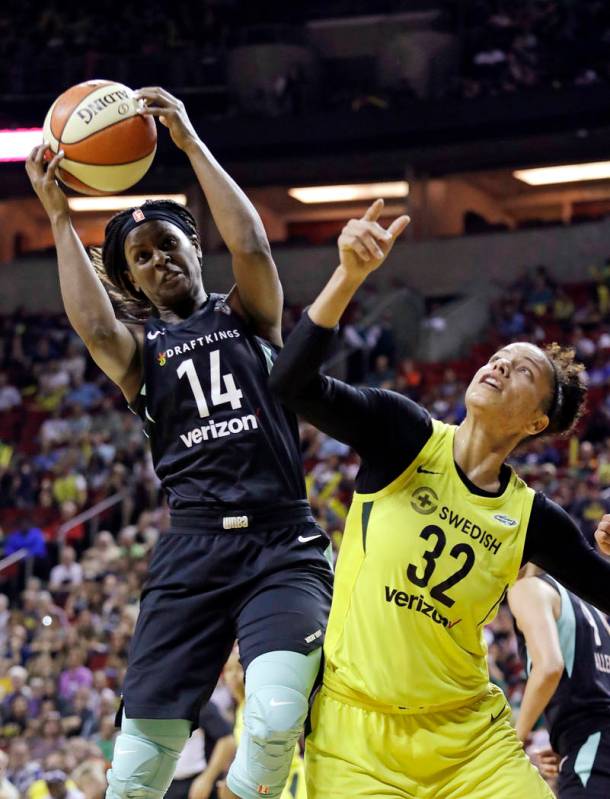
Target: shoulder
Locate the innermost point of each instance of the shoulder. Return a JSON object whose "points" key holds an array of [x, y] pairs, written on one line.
{"points": [[546, 513], [398, 405]]}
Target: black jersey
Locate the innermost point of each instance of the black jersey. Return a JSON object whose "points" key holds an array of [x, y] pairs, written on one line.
{"points": [[218, 438], [581, 703]]}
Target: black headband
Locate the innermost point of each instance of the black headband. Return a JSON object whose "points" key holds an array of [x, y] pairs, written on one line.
{"points": [[137, 217]]}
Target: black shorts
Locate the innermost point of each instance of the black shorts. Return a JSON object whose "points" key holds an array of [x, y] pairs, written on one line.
{"points": [[269, 589], [585, 772]]}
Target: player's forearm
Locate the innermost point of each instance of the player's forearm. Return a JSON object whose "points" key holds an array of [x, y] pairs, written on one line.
{"points": [[86, 302], [221, 758], [541, 686], [237, 220], [330, 304]]}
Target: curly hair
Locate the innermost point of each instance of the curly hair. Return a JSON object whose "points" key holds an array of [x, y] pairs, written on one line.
{"points": [[568, 399], [111, 267]]}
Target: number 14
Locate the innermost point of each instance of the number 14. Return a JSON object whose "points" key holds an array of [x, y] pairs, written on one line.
{"points": [[231, 395]]}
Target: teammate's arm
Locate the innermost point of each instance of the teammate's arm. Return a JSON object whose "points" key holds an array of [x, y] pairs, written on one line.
{"points": [[215, 728], [555, 543], [258, 284], [113, 345], [536, 606]]}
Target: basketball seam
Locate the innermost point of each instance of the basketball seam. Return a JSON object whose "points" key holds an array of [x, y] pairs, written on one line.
{"points": [[95, 132], [69, 116], [116, 163]]}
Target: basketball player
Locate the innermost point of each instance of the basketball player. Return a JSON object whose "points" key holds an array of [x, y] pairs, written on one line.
{"points": [[244, 558], [568, 647], [437, 531]]}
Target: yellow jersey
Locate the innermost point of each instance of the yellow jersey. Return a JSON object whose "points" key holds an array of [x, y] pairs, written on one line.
{"points": [[423, 567]]}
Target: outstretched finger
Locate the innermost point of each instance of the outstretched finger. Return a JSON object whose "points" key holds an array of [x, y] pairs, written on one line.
{"points": [[398, 226], [53, 164], [153, 110], [373, 211]]}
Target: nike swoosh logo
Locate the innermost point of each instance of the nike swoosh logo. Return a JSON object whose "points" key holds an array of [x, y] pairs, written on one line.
{"points": [[152, 336], [278, 703], [421, 470], [304, 539], [495, 718]]}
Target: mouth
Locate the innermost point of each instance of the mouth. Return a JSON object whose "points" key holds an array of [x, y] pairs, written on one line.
{"points": [[492, 382], [172, 276]]}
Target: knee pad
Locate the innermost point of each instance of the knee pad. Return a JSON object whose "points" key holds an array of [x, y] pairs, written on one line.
{"points": [[274, 717], [145, 755], [278, 685]]}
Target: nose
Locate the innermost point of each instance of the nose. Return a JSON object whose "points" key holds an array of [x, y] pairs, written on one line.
{"points": [[502, 365], [159, 258]]}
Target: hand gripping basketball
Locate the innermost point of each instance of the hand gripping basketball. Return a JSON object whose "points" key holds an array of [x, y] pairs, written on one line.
{"points": [[43, 177], [364, 244], [158, 102]]}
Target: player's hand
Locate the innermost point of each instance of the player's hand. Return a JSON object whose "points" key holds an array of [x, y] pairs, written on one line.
{"points": [[364, 244], [222, 790], [43, 177], [170, 112], [547, 762], [201, 787], [602, 534]]}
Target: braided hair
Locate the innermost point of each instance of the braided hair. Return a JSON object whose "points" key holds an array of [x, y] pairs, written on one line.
{"points": [[567, 402], [111, 266]]}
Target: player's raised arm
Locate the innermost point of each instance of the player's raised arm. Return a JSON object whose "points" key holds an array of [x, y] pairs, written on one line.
{"points": [[111, 343], [258, 283]]}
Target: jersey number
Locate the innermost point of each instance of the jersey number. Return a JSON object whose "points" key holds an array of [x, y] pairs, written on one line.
{"points": [[432, 555], [231, 395]]}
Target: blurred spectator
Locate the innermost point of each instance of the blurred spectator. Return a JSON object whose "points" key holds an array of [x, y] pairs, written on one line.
{"points": [[7, 789], [23, 769], [9, 395], [75, 676], [67, 572]]}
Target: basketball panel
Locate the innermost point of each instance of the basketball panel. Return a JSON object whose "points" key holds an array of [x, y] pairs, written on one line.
{"points": [[108, 179], [121, 143], [74, 183], [47, 133], [100, 109], [71, 99]]}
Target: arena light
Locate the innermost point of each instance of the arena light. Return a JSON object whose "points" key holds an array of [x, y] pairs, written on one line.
{"points": [[120, 201], [567, 173], [350, 192], [16, 145]]}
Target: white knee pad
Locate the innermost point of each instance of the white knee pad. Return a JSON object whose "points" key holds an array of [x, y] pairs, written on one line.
{"points": [[145, 755], [273, 721]]}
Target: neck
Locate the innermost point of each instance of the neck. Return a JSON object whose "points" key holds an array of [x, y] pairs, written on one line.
{"points": [[480, 453], [183, 309]]}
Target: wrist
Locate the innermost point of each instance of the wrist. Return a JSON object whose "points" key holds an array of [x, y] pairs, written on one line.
{"points": [[192, 145], [60, 219], [348, 278]]}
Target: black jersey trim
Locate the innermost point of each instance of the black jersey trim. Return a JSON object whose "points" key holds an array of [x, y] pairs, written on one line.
{"points": [[495, 604], [367, 507]]}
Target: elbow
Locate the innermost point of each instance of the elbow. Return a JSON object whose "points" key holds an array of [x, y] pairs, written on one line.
{"points": [[251, 244], [551, 672]]}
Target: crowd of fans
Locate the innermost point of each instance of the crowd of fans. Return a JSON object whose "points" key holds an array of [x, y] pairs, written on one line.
{"points": [[504, 47], [68, 441]]}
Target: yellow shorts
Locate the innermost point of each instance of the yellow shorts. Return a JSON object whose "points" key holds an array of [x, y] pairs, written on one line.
{"points": [[295, 784], [470, 752]]}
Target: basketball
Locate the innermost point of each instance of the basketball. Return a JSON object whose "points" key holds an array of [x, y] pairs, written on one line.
{"points": [[108, 146]]}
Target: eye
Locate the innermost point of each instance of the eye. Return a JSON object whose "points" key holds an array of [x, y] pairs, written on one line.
{"points": [[141, 256], [170, 241]]}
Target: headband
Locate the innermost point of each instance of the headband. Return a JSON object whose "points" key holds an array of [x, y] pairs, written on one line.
{"points": [[116, 249]]}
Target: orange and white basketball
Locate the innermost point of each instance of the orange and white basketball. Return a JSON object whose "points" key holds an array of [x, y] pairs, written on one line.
{"points": [[108, 146]]}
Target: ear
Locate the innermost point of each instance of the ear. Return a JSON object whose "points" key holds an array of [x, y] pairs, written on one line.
{"points": [[197, 245], [539, 424]]}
